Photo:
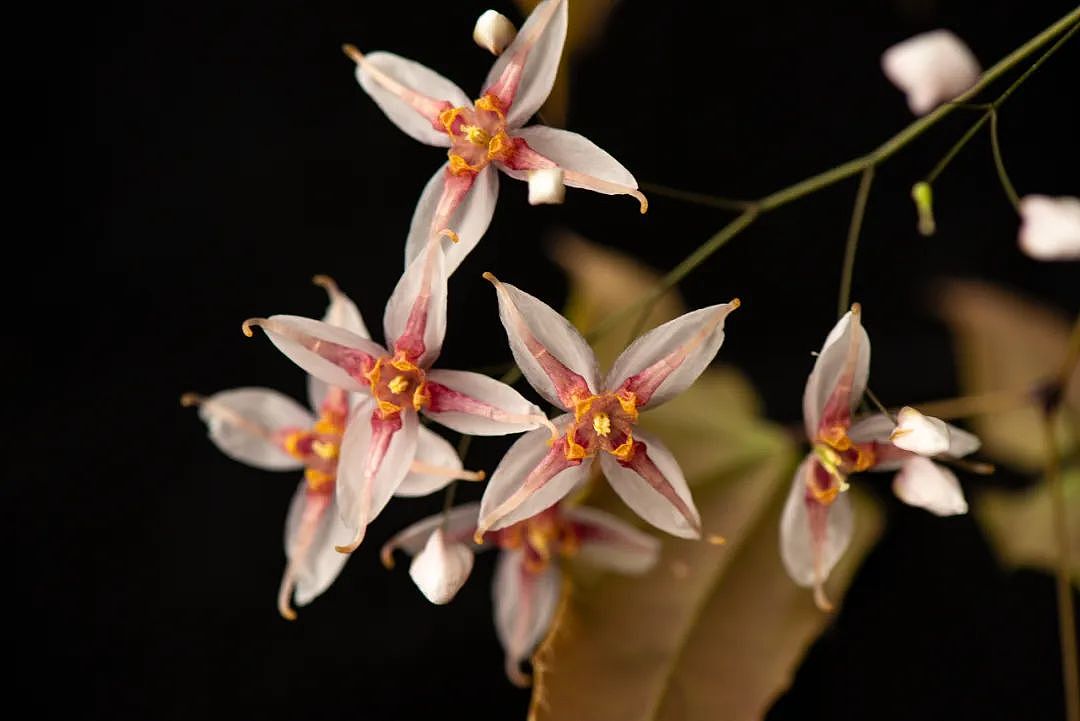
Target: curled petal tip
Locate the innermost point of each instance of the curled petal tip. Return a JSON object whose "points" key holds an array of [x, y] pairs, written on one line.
{"points": [[325, 281], [821, 600], [355, 543], [490, 277], [447, 233], [518, 677], [734, 303], [716, 539], [386, 555], [287, 613], [247, 324], [351, 51], [478, 475], [642, 200], [191, 399], [856, 309], [983, 469], [478, 537]]}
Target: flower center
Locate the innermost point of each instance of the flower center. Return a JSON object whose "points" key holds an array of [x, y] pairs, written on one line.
{"points": [[541, 537], [603, 423], [477, 135], [318, 448], [397, 383], [839, 456]]}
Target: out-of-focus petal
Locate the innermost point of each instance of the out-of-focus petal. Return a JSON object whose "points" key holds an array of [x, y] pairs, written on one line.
{"points": [[1050, 228], [652, 484], [837, 383], [524, 603], [961, 443], [554, 357], [411, 95], [433, 453], [813, 536], [445, 206], [312, 529], [335, 355], [923, 483], [342, 313], [876, 429], [493, 32], [458, 525], [607, 542], [584, 164], [246, 424], [931, 68], [441, 568], [531, 476], [375, 457], [664, 362], [924, 435], [524, 74], [415, 319], [478, 405], [547, 186]]}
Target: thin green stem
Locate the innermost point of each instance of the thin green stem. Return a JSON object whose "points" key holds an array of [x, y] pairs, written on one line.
{"points": [[999, 163], [879, 405], [956, 148], [852, 247], [695, 198]]}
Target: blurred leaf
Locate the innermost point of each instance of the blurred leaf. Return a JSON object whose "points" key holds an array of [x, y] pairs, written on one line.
{"points": [[712, 631], [586, 23]]}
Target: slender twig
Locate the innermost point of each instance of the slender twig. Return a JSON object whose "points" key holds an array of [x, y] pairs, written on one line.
{"points": [[879, 405], [956, 148], [695, 198], [853, 239], [999, 163]]}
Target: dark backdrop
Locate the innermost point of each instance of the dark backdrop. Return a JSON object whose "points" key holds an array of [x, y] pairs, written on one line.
{"points": [[211, 157]]}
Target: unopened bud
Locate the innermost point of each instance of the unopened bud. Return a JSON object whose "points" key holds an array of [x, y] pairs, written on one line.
{"points": [[493, 32], [546, 186], [923, 196], [440, 569], [925, 435]]}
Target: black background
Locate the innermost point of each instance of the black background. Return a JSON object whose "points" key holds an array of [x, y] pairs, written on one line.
{"points": [[209, 158]]}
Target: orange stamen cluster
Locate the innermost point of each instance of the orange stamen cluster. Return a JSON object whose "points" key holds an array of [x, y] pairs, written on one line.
{"points": [[397, 382], [603, 423], [478, 135], [542, 537], [318, 448], [840, 457]]}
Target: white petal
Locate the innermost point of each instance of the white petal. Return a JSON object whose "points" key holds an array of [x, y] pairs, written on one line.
{"points": [[458, 526], [441, 568], [334, 355], [547, 186], [610, 543], [367, 479], [478, 405], [962, 443], [313, 560], [840, 372], [1050, 228], [875, 428], [931, 68], [520, 467], [576, 153], [418, 79], [540, 64], [470, 220], [551, 353], [665, 361], [433, 450], [415, 318], [929, 485], [242, 423], [924, 435], [524, 604], [662, 499], [797, 543], [341, 313], [493, 32]]}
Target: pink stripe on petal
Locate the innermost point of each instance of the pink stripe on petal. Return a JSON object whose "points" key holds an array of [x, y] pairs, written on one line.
{"points": [[669, 491], [838, 380], [415, 318], [524, 604], [476, 404]]}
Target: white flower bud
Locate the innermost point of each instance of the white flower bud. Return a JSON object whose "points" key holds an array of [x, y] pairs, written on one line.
{"points": [[546, 186], [932, 68], [493, 32], [1050, 228], [925, 435], [440, 570]]}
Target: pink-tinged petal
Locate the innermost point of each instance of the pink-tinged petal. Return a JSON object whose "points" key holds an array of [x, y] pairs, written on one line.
{"points": [[532, 476], [1051, 227], [554, 357], [525, 603], [249, 424], [493, 32], [436, 465], [584, 164], [652, 484], [376, 454], [462, 204], [411, 95], [478, 405], [458, 525], [813, 536], [341, 313], [607, 542], [876, 429], [415, 319], [929, 485], [838, 381], [522, 78], [924, 435], [961, 443], [930, 68], [334, 355], [440, 569], [665, 361], [312, 529]]}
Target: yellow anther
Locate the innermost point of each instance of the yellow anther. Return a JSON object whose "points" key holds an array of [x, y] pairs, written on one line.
{"points": [[399, 384], [421, 396], [328, 425], [403, 364], [825, 496], [601, 423], [292, 443], [491, 104], [582, 406], [836, 437], [500, 147], [476, 135], [625, 451], [372, 375], [574, 450], [447, 118], [387, 409], [316, 479], [460, 166], [628, 402], [323, 449]]}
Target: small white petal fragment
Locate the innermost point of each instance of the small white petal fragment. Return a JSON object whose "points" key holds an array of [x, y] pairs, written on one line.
{"points": [[1051, 227], [441, 569], [493, 32], [925, 435], [929, 485], [546, 186], [932, 68]]}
